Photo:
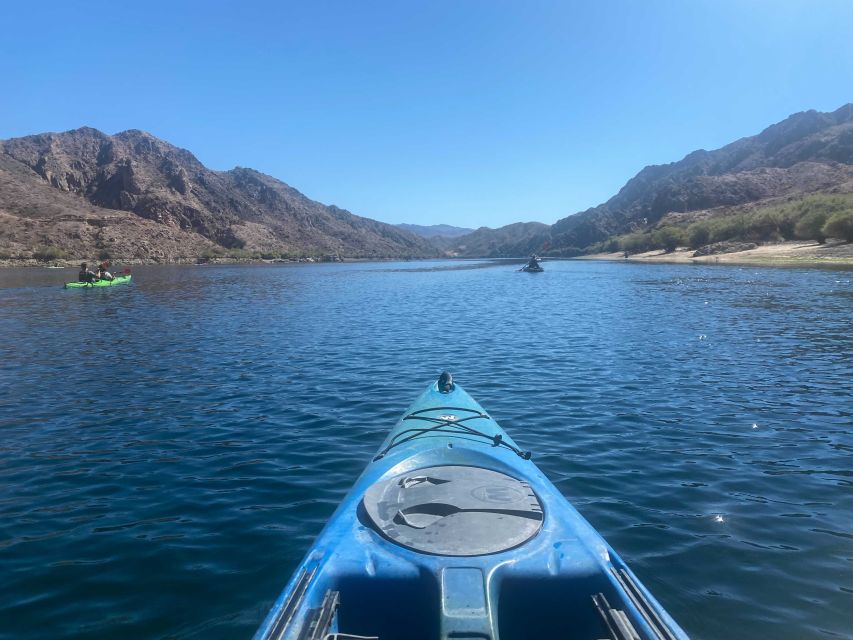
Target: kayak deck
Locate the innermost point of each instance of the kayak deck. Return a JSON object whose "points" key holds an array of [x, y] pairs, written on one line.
{"points": [[453, 532], [99, 283]]}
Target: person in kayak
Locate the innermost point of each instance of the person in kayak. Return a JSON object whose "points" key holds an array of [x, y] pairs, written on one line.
{"points": [[103, 274], [534, 262], [85, 275]]}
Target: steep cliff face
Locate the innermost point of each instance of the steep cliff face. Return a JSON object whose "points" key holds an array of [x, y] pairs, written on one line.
{"points": [[239, 209], [36, 218]]}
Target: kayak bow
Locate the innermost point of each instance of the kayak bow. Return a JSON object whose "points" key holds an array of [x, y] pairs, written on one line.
{"points": [[99, 283], [452, 532]]}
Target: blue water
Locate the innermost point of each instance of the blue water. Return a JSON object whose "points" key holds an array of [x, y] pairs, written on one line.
{"points": [[170, 448]]}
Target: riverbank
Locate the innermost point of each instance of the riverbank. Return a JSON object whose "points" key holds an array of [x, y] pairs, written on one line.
{"points": [[73, 264], [782, 253]]}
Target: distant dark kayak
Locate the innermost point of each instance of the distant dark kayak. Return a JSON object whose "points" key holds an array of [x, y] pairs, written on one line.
{"points": [[99, 283], [530, 269], [452, 532]]}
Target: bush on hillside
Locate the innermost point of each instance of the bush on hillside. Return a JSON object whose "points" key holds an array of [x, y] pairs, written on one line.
{"points": [[668, 238], [728, 228], [804, 217], [605, 246], [698, 235], [764, 226], [839, 225], [786, 221], [49, 253], [810, 226], [242, 254], [635, 243]]}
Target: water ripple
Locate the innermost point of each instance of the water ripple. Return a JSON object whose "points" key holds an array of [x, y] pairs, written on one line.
{"points": [[171, 448]]}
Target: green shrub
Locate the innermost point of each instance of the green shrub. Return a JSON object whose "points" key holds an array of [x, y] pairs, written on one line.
{"points": [[728, 228], [839, 225], [805, 217], [605, 246], [808, 210], [243, 254], [810, 226], [49, 253], [668, 238], [762, 226], [635, 242], [698, 234], [786, 222]]}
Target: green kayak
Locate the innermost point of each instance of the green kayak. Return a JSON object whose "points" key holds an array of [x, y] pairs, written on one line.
{"points": [[99, 283]]}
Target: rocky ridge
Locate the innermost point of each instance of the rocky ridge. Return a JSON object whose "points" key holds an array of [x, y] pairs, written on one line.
{"points": [[435, 230], [807, 152], [96, 180], [133, 196], [513, 240]]}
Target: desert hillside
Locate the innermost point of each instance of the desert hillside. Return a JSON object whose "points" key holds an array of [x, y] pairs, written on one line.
{"points": [[134, 197]]}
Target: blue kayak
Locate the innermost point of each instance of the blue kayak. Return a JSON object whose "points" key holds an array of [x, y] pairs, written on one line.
{"points": [[452, 532]]}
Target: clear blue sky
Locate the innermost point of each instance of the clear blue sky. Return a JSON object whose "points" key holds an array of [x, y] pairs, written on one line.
{"points": [[464, 112]]}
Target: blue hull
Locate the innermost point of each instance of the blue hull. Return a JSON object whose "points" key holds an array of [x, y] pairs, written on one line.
{"points": [[452, 532]]}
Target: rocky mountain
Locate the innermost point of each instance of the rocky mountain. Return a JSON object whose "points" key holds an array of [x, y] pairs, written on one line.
{"points": [[132, 196], [137, 190], [38, 219], [805, 153], [514, 240], [435, 230]]}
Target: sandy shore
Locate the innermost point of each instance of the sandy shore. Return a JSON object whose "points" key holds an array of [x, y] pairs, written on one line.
{"points": [[782, 253]]}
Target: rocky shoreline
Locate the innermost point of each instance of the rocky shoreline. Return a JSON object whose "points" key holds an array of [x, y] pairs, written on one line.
{"points": [[74, 263], [782, 254]]}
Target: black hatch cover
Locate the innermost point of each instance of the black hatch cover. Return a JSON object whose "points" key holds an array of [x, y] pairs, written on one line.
{"points": [[454, 510]]}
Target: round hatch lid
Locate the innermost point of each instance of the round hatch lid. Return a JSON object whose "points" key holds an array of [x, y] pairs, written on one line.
{"points": [[454, 510]]}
